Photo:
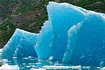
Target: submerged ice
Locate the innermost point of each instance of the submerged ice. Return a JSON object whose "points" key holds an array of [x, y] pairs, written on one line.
{"points": [[71, 34]]}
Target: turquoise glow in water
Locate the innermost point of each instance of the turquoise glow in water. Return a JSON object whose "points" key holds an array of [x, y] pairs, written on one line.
{"points": [[31, 63]]}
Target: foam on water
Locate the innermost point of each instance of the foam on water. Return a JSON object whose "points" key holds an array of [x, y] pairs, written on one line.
{"points": [[8, 67]]}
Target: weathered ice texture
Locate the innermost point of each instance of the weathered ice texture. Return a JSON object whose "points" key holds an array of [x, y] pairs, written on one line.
{"points": [[20, 45]]}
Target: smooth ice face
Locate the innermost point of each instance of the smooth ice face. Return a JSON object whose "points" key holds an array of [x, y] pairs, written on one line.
{"points": [[86, 42], [20, 45], [63, 16], [52, 39], [43, 44]]}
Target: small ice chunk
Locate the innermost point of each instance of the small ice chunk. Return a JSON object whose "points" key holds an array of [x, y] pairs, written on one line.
{"points": [[51, 58]]}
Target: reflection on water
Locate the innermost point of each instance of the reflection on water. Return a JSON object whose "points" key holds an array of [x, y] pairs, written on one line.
{"points": [[31, 63]]}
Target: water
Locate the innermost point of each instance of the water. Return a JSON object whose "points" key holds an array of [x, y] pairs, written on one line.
{"points": [[31, 63]]}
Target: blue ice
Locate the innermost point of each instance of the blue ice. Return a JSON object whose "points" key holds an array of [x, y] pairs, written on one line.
{"points": [[43, 45], [20, 45], [63, 16], [71, 34], [86, 41], [53, 38]]}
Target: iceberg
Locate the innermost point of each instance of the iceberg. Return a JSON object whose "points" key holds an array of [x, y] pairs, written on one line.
{"points": [[62, 17], [20, 45], [43, 45], [52, 40], [86, 41], [71, 35]]}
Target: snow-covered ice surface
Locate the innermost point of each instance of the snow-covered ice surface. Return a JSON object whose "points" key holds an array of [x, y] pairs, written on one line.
{"points": [[71, 35]]}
